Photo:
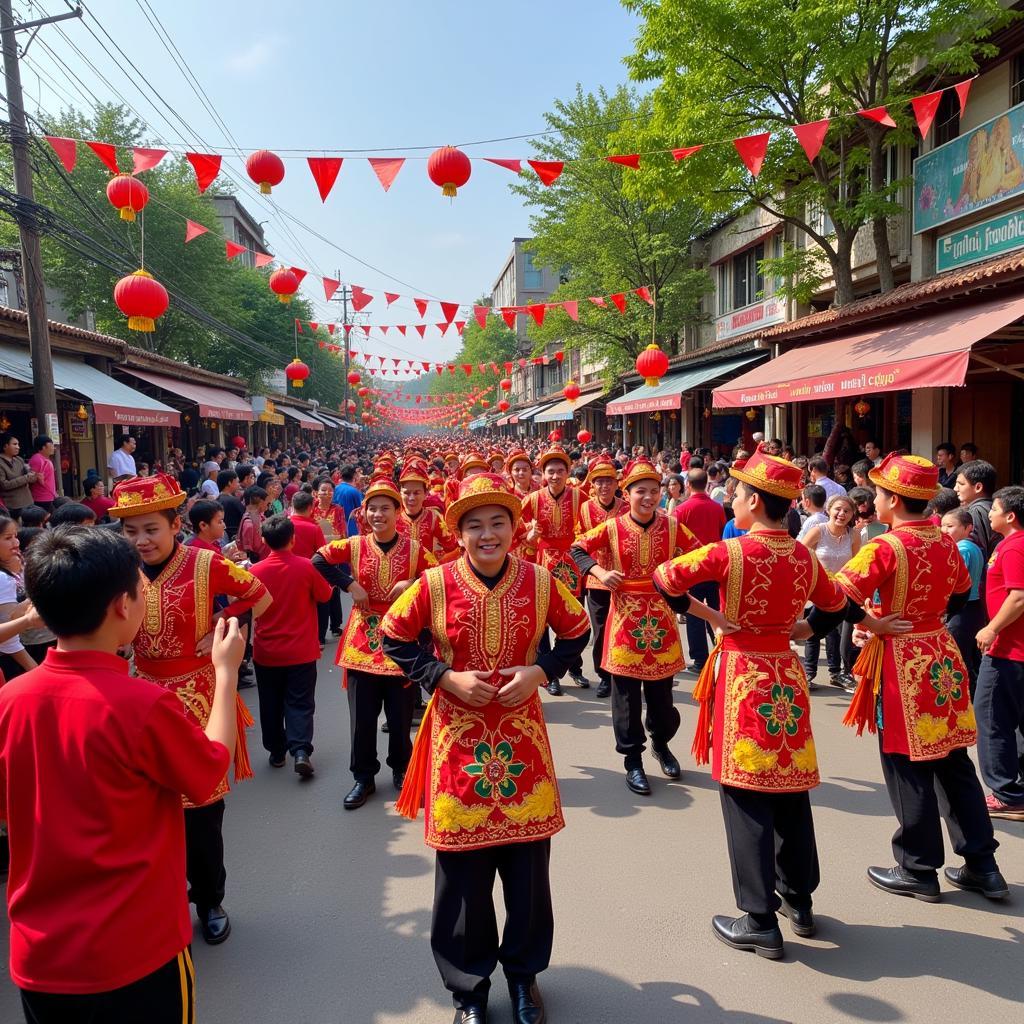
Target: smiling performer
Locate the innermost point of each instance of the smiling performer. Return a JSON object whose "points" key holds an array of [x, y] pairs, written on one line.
{"points": [[374, 570], [173, 649], [482, 762], [641, 648]]}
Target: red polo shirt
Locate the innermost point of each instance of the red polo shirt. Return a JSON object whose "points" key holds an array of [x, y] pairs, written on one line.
{"points": [[309, 538], [1006, 573], [702, 516], [92, 767], [286, 633]]}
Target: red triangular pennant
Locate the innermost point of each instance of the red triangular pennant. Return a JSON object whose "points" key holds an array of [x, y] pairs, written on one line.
{"points": [[508, 367], [392, 297], [811, 136], [146, 159], [537, 311], [330, 287], [619, 298], [467, 368], [547, 170], [752, 150], [66, 150], [360, 299], [962, 89], [572, 307], [365, 328], [384, 328], [421, 329], [421, 306], [460, 326], [685, 151], [348, 331], [193, 230], [645, 294], [480, 312], [386, 169], [879, 115], [597, 300], [559, 356], [107, 154], [233, 249], [261, 259], [401, 329], [298, 272], [449, 310], [298, 325], [442, 328], [925, 107], [314, 326], [627, 160], [330, 330], [509, 316], [511, 165], [206, 167], [426, 366], [325, 173]]}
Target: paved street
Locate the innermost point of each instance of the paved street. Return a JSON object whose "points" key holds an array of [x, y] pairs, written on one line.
{"points": [[331, 908]]}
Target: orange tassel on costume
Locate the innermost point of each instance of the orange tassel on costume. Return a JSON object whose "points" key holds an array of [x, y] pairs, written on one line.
{"points": [[704, 695], [243, 719], [410, 800], [868, 672]]}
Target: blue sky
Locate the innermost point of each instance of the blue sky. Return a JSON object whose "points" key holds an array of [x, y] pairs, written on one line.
{"points": [[369, 75]]}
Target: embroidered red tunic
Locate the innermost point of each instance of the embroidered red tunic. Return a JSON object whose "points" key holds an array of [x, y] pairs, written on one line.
{"points": [[641, 639], [334, 517], [925, 702], [557, 521], [377, 572], [428, 529], [490, 778], [593, 513], [179, 613], [761, 725]]}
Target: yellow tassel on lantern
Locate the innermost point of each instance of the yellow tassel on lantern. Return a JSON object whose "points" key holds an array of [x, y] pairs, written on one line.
{"points": [[448, 189], [296, 383], [127, 213], [141, 323], [265, 188], [284, 298]]}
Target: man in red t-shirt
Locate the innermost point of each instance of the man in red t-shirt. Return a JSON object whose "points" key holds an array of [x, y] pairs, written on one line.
{"points": [[999, 697], [100, 924], [705, 519], [309, 538], [286, 648]]}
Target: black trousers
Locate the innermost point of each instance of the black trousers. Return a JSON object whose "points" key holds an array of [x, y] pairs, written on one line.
{"points": [[328, 613], [463, 930], [922, 792], [999, 705], [204, 855], [544, 647], [964, 627], [697, 630], [287, 702], [833, 654], [598, 604], [167, 996], [627, 716], [367, 694], [772, 851]]}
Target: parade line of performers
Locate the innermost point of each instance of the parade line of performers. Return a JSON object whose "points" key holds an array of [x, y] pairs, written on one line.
{"points": [[469, 591]]}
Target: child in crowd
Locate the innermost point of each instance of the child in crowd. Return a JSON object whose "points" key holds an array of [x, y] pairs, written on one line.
{"points": [[250, 539], [14, 659], [964, 625]]}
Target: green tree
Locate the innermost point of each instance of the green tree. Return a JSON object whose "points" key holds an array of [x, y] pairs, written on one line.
{"points": [[729, 68], [608, 238]]}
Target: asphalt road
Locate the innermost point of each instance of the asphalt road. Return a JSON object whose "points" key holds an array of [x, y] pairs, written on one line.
{"points": [[331, 909]]}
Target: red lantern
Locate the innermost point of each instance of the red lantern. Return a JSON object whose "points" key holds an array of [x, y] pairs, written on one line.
{"points": [[284, 284], [584, 437], [353, 378], [751, 415], [503, 405], [506, 385], [571, 391], [296, 371], [363, 391], [862, 408], [238, 441], [484, 404], [450, 168], [142, 299], [652, 365], [351, 405], [555, 436], [365, 417], [266, 169], [127, 194]]}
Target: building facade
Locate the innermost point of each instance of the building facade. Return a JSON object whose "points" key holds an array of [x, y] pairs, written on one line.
{"points": [[240, 227]]}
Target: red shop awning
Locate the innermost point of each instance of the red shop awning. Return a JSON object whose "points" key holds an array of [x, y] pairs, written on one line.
{"points": [[930, 352], [214, 403]]}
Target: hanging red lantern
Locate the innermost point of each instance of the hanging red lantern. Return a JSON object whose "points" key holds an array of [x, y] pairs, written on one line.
{"points": [[365, 417], [296, 372], [363, 391], [266, 169], [571, 391], [652, 365], [862, 408], [284, 284], [353, 377], [142, 299], [707, 413], [484, 404], [555, 436], [127, 194], [584, 437], [506, 385], [751, 415], [503, 405], [351, 405], [449, 168]]}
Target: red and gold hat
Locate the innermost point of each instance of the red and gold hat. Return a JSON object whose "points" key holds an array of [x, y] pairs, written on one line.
{"points": [[474, 460], [414, 471], [517, 455], [496, 453], [637, 470], [144, 494], [602, 468], [769, 473], [482, 489], [382, 487], [908, 475], [436, 481], [556, 451]]}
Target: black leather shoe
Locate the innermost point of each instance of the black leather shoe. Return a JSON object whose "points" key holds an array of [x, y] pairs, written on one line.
{"points": [[215, 925], [900, 883], [604, 689], [398, 778], [358, 794], [801, 920], [668, 762], [742, 933], [636, 780], [303, 765], [555, 688], [990, 884], [471, 1015], [276, 760], [527, 1004], [580, 680]]}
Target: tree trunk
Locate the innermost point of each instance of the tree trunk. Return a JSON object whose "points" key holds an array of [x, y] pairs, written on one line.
{"points": [[842, 266], [880, 224]]}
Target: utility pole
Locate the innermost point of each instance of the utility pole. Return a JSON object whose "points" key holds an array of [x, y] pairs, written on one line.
{"points": [[44, 393], [342, 295]]}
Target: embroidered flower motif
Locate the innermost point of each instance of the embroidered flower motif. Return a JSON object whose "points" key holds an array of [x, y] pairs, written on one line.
{"points": [[648, 635], [781, 713], [947, 681], [496, 769], [372, 624]]}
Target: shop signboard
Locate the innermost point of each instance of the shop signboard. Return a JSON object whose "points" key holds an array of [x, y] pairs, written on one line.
{"points": [[749, 318], [991, 237], [973, 172]]}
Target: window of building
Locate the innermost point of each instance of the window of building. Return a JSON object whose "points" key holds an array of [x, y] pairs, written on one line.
{"points": [[723, 288], [531, 275], [1017, 80], [740, 281], [564, 275], [947, 117], [819, 220]]}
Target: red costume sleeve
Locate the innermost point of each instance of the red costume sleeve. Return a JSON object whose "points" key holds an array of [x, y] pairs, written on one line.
{"points": [[231, 580], [336, 553], [866, 571], [702, 565]]}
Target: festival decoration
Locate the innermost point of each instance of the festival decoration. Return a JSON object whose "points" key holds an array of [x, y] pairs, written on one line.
{"points": [[284, 284], [505, 384], [266, 169], [127, 195], [861, 408], [296, 372], [571, 392], [238, 441], [82, 413], [503, 405], [584, 437], [652, 365], [449, 168], [353, 377], [142, 299], [751, 415], [555, 436]]}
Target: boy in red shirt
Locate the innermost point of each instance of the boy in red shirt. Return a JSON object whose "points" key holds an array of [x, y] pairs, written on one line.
{"points": [[999, 697], [100, 924], [309, 538], [286, 647]]}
